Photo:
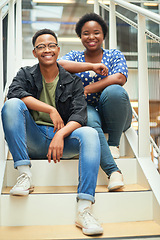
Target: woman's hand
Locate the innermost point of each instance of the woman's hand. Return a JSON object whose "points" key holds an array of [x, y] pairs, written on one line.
{"points": [[100, 68], [76, 67], [86, 90]]}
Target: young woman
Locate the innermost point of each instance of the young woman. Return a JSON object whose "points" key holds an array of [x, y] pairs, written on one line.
{"points": [[103, 73]]}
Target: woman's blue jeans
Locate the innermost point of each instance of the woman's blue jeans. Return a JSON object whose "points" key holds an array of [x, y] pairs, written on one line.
{"points": [[28, 140], [113, 116]]}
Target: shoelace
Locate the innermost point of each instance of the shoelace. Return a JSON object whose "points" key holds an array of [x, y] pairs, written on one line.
{"points": [[22, 179], [89, 218]]}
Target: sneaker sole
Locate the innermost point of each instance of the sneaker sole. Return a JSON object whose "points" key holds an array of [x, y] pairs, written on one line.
{"points": [[115, 186], [90, 231], [22, 193]]}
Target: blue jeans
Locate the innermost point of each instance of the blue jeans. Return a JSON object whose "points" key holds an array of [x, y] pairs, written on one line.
{"points": [[113, 116], [28, 140]]}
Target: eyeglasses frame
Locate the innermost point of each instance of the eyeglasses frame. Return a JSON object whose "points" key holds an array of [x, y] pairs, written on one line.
{"points": [[36, 47]]}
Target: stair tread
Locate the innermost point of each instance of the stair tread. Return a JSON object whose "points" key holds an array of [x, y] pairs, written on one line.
{"points": [[111, 230], [73, 189], [10, 158]]}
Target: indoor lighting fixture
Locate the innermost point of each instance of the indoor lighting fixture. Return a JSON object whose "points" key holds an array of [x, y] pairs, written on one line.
{"points": [[150, 4], [92, 2], [53, 1]]}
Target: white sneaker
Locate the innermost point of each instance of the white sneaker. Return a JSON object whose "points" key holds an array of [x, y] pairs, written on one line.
{"points": [[23, 186], [115, 152], [88, 223], [115, 181]]}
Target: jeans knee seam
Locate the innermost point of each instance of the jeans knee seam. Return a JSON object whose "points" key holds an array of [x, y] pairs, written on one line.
{"points": [[25, 127], [80, 167]]}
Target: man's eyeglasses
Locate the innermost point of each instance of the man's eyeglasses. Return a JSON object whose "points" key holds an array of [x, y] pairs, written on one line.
{"points": [[42, 47]]}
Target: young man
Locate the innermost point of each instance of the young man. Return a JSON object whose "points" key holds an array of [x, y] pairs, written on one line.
{"points": [[43, 118]]}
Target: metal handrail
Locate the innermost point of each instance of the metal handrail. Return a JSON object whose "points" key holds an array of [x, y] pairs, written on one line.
{"points": [[151, 139], [3, 3], [132, 23], [149, 14]]}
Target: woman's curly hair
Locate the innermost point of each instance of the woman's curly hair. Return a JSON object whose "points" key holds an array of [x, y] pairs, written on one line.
{"points": [[91, 17]]}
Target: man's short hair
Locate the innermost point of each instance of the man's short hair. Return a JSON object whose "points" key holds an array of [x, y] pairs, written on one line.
{"points": [[41, 32], [91, 17]]}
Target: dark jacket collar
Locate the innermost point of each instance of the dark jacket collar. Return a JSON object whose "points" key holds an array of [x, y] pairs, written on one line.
{"points": [[64, 76]]}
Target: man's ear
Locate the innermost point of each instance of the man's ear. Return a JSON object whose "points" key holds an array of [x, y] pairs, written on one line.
{"points": [[58, 50], [34, 53]]}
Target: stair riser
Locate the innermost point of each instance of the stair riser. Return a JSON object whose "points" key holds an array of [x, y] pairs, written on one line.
{"points": [[65, 173], [60, 209]]}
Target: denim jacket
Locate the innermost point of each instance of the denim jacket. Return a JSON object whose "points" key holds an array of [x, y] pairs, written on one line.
{"points": [[69, 95]]}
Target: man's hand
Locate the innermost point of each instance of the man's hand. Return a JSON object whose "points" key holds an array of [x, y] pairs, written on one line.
{"points": [[100, 68], [56, 119], [37, 105], [56, 146], [55, 150]]}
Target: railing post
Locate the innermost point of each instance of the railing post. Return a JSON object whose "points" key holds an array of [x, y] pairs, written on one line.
{"points": [[2, 143], [18, 34], [112, 26], [159, 14], [11, 43], [143, 95], [103, 16], [96, 7]]}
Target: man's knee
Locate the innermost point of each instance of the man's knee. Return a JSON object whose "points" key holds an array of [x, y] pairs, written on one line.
{"points": [[89, 132], [86, 135], [12, 104], [11, 107]]}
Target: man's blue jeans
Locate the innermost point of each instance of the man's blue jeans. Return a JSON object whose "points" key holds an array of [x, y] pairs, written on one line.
{"points": [[113, 116], [28, 140]]}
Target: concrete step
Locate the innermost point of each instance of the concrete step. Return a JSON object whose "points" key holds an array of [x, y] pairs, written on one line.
{"points": [[124, 230], [66, 173], [47, 206]]}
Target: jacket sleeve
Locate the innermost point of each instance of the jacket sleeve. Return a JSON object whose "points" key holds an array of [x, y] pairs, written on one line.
{"points": [[19, 86], [78, 104]]}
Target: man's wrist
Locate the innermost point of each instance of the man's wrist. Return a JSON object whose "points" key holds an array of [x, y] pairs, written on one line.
{"points": [[60, 133], [52, 110]]}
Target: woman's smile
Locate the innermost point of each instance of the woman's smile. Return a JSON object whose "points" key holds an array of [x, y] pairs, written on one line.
{"points": [[92, 35]]}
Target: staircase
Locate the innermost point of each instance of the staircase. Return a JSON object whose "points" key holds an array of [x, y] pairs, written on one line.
{"points": [[49, 212]]}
